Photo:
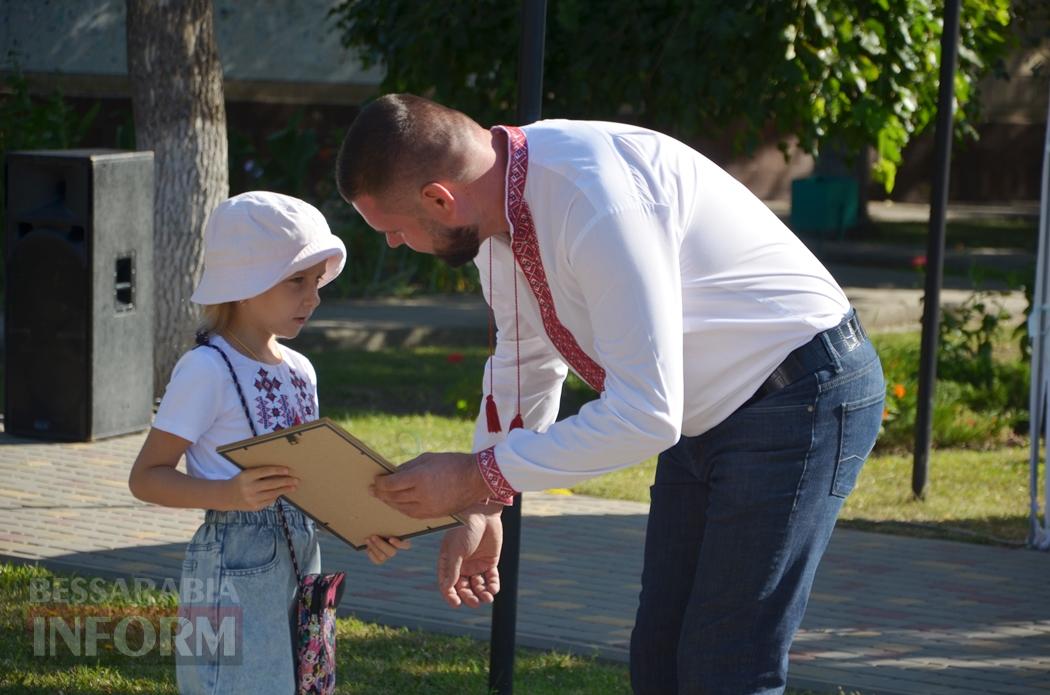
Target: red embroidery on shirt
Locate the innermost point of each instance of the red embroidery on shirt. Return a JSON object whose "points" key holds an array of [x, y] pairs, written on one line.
{"points": [[274, 408], [527, 253], [493, 477]]}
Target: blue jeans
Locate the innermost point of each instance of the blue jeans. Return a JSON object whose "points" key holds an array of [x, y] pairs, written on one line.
{"points": [[739, 519], [238, 574]]}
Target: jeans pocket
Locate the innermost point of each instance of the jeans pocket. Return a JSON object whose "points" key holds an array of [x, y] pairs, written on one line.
{"points": [[206, 539], [860, 422], [249, 549]]}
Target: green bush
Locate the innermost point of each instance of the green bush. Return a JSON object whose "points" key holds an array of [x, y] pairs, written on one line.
{"points": [[981, 395], [286, 161], [374, 269], [821, 74], [31, 123]]}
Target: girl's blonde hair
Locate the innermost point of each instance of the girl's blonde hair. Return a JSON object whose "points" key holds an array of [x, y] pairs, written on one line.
{"points": [[216, 318]]}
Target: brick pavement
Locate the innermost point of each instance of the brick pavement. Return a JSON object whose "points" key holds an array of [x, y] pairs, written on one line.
{"points": [[888, 614]]}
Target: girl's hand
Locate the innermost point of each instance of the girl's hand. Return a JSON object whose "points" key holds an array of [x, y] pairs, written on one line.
{"points": [[380, 550], [257, 488]]}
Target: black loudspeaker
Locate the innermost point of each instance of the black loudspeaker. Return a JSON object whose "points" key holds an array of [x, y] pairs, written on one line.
{"points": [[78, 319]]}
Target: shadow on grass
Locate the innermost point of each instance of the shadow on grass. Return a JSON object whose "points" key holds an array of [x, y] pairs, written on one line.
{"points": [[1008, 531]]}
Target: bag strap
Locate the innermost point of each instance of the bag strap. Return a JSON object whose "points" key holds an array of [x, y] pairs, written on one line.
{"points": [[202, 340]]}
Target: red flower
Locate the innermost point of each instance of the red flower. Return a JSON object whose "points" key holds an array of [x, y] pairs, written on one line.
{"points": [[918, 262], [454, 357]]}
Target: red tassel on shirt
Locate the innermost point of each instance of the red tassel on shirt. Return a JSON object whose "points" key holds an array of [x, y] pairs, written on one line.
{"points": [[492, 415]]}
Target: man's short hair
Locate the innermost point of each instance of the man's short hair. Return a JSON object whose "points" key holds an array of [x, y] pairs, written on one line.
{"points": [[398, 143]]}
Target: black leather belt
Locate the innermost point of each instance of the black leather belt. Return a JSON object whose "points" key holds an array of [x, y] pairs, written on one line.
{"points": [[845, 337]]}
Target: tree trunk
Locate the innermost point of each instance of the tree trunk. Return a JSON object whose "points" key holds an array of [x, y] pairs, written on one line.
{"points": [[177, 99]]}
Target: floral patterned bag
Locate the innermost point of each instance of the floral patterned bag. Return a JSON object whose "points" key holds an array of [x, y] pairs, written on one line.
{"points": [[319, 594], [318, 597]]}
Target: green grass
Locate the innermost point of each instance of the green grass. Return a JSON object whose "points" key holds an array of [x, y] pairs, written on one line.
{"points": [[22, 672], [405, 402], [396, 394], [402, 437], [371, 659], [416, 381], [906, 242], [398, 382], [976, 496], [983, 492], [979, 496], [1007, 233]]}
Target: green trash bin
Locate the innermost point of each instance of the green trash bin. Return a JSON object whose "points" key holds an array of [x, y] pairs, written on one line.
{"points": [[823, 205]]}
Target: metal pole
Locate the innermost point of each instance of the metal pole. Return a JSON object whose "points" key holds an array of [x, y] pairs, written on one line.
{"points": [[530, 60], [1037, 334], [931, 315], [505, 607]]}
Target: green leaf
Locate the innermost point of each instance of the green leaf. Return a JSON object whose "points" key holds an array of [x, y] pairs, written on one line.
{"points": [[847, 70]]}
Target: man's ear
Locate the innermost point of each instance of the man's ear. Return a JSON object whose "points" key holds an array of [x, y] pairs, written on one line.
{"points": [[438, 200]]}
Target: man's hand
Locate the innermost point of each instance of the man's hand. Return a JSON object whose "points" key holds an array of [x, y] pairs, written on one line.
{"points": [[432, 485], [467, 562]]}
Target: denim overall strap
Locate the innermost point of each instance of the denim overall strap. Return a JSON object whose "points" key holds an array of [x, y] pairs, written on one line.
{"points": [[202, 340]]}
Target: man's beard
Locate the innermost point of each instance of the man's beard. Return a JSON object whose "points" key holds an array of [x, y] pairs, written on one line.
{"points": [[456, 246]]}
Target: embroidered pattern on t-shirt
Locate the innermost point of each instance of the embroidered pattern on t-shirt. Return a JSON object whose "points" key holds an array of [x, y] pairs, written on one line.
{"points": [[274, 409], [303, 395]]}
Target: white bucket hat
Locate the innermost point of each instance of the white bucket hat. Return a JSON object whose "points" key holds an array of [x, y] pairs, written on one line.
{"points": [[256, 239]]}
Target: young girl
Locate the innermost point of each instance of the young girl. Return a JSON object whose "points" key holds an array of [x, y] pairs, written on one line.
{"points": [[265, 257]]}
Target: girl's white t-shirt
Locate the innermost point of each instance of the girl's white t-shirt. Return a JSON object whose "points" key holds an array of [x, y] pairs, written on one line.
{"points": [[201, 405]]}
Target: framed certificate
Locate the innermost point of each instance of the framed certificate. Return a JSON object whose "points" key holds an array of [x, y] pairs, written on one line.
{"points": [[335, 470]]}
